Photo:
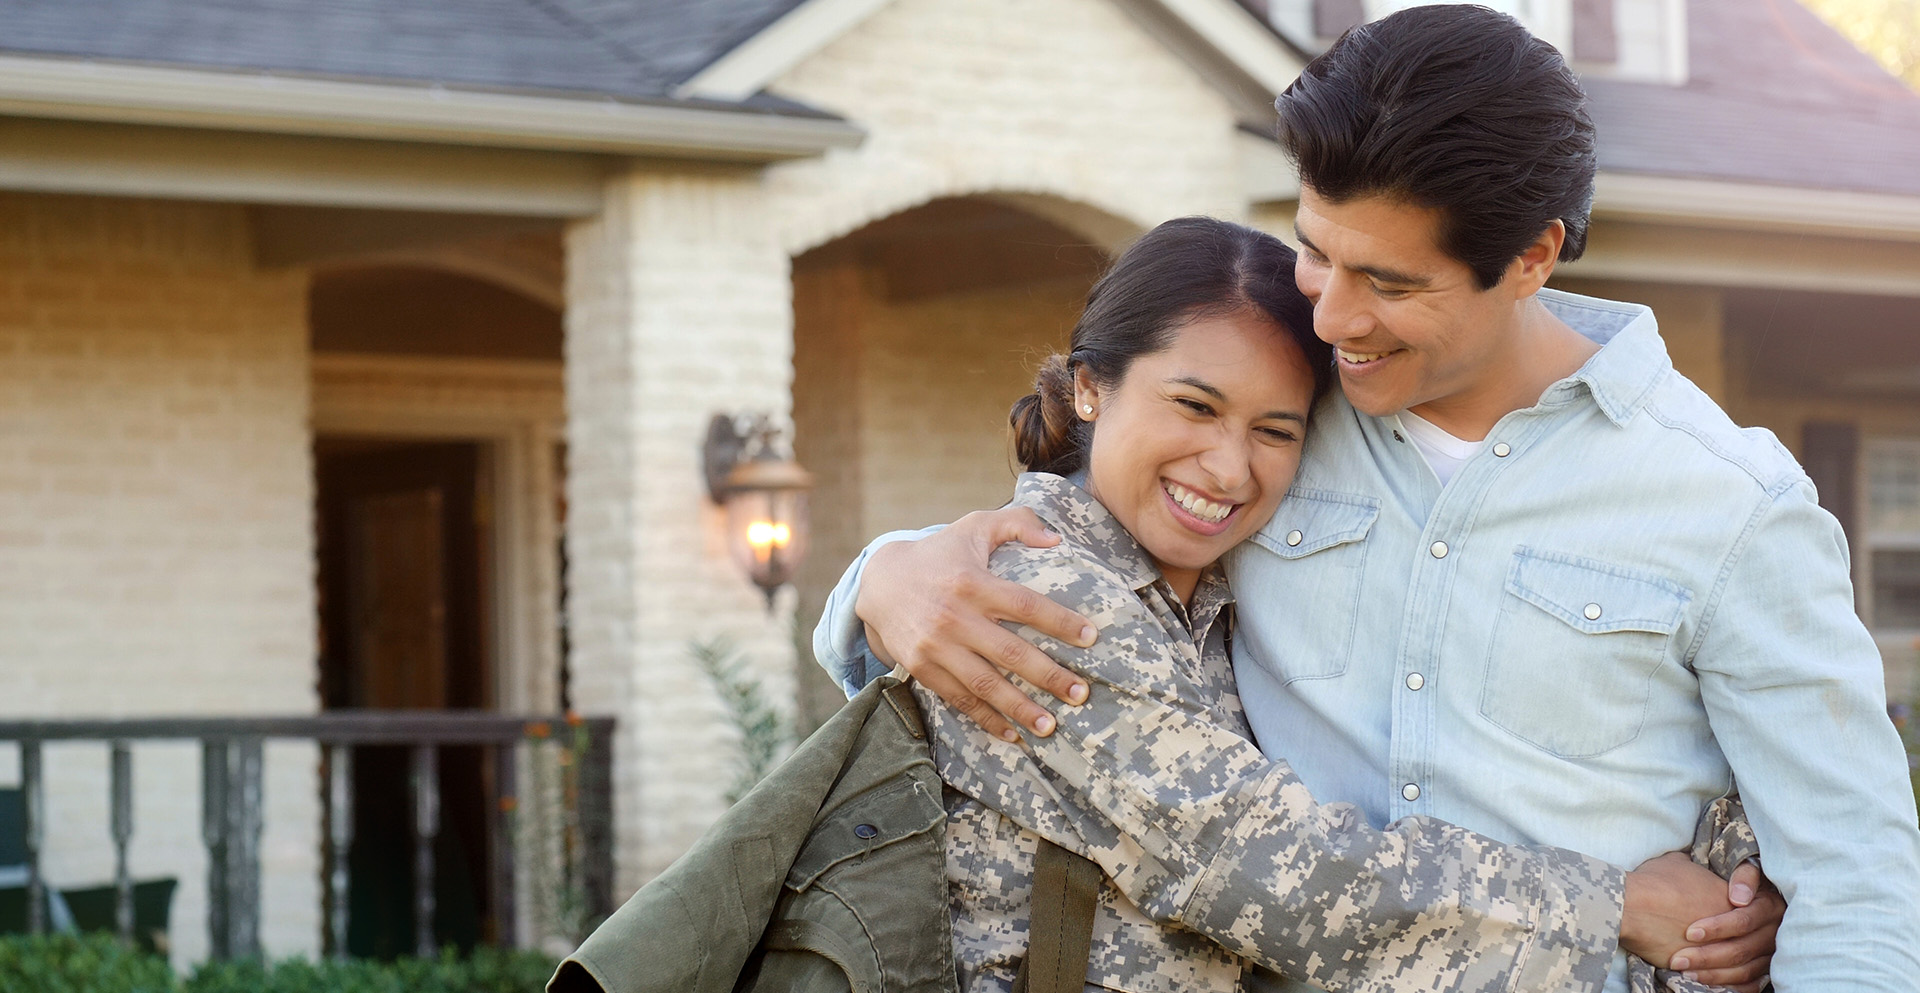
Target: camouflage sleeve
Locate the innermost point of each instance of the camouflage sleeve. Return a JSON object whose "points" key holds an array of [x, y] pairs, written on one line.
{"points": [[1199, 828]]}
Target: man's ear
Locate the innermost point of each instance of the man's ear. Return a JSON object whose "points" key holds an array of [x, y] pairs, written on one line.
{"points": [[1531, 270]]}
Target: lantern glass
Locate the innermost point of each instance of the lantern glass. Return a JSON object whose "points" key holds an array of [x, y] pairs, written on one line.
{"points": [[767, 534]]}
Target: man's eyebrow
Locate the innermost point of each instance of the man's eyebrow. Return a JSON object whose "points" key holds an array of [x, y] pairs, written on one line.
{"points": [[1379, 274], [1214, 392]]}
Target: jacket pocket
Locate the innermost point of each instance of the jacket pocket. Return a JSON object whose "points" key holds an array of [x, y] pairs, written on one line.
{"points": [[1321, 537], [1574, 649]]}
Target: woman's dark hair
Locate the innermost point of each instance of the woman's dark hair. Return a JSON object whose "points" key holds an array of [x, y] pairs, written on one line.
{"points": [[1181, 271], [1453, 107]]}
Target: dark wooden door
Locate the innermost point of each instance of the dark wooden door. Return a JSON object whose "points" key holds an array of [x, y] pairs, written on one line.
{"points": [[402, 555]]}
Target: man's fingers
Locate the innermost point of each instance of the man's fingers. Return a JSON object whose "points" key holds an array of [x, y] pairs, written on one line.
{"points": [[1013, 602], [1744, 883], [1746, 977], [1729, 954], [1019, 524], [947, 688]]}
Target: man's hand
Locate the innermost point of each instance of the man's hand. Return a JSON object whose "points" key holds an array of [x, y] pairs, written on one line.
{"points": [[1736, 948], [932, 607], [1678, 910]]}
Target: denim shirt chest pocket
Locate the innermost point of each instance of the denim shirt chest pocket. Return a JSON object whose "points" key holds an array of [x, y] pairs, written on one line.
{"points": [[1574, 650], [1321, 538]]}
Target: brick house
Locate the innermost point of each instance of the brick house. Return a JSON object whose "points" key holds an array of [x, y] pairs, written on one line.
{"points": [[336, 341]]}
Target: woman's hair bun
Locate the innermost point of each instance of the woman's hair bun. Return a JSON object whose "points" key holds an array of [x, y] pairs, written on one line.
{"points": [[1047, 437]]}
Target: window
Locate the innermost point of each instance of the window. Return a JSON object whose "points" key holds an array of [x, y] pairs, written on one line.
{"points": [[1887, 563]]}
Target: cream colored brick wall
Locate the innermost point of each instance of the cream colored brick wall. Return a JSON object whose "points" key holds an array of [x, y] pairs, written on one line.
{"points": [[155, 544], [1068, 99], [679, 308]]}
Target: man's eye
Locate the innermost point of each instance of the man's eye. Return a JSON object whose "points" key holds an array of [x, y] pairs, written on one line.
{"points": [[1387, 293]]}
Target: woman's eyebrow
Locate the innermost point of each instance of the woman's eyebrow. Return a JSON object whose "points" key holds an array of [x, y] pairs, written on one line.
{"points": [[1201, 385]]}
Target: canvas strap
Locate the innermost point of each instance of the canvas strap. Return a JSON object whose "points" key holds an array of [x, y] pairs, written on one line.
{"points": [[1060, 935]]}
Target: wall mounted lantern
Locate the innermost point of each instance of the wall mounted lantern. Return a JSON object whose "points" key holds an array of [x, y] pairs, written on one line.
{"points": [[764, 491]]}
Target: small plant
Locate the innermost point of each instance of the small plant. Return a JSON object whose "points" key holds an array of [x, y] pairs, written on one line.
{"points": [[764, 735], [98, 963]]}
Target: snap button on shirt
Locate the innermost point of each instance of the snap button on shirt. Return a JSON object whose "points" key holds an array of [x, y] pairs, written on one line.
{"points": [[1294, 538], [1439, 549], [1502, 450], [1410, 791], [1415, 680], [1592, 612]]}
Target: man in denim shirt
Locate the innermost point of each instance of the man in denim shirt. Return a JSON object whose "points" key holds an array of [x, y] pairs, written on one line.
{"points": [[1529, 579]]}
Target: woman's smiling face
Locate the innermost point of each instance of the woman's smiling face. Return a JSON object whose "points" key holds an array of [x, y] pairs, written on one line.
{"points": [[1193, 449]]}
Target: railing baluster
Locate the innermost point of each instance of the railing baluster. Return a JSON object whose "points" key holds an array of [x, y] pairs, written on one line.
{"points": [[33, 803], [214, 790], [426, 824], [596, 818], [246, 822], [122, 826], [506, 776], [339, 842], [214, 832]]}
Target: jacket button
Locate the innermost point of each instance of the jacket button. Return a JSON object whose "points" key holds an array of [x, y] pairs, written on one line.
{"points": [[865, 832]]}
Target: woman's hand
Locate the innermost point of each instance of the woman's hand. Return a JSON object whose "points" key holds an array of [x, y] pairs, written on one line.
{"points": [[1682, 916], [932, 607]]}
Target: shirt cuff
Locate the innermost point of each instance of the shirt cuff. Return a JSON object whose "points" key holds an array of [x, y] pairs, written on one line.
{"points": [[840, 639]]}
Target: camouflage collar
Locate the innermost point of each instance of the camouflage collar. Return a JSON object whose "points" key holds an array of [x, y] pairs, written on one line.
{"points": [[1079, 518]]}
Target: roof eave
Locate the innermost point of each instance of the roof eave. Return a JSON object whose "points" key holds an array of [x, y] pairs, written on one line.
{"points": [[188, 97], [1723, 203]]}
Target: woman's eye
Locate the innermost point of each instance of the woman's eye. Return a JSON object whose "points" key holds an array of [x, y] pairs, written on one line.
{"points": [[1193, 405], [1278, 435]]}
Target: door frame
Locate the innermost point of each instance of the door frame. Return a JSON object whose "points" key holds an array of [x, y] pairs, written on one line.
{"points": [[516, 412]]}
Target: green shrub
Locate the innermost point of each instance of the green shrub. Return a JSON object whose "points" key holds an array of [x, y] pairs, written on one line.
{"points": [[65, 963], [98, 964]]}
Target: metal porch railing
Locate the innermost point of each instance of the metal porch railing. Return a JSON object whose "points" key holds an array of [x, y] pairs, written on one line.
{"points": [[232, 821]]}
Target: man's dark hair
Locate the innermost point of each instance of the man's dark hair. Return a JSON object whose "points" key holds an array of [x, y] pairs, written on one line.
{"points": [[1453, 107]]}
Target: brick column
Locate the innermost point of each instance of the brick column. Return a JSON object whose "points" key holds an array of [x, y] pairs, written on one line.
{"points": [[678, 307]]}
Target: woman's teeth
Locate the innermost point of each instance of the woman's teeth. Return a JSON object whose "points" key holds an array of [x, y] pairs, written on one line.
{"points": [[1199, 506], [1357, 358]]}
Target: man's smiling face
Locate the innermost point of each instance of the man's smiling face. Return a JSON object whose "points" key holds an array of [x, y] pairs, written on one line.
{"points": [[1409, 323]]}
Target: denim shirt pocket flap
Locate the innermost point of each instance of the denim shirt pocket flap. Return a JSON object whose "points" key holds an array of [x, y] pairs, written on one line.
{"points": [[1310, 521], [899, 810], [1594, 597]]}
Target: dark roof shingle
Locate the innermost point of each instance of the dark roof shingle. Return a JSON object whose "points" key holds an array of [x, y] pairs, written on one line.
{"points": [[625, 49], [1774, 96]]}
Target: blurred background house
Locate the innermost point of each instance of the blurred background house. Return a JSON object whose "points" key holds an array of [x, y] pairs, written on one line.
{"points": [[358, 356]]}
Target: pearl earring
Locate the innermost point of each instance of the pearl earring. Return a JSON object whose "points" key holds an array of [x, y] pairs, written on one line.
{"points": [[1087, 408]]}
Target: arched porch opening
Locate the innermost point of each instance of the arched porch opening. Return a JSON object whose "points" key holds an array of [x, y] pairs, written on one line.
{"points": [[913, 335]]}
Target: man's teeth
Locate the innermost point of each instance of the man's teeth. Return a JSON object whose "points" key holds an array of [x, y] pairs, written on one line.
{"points": [[1357, 358], [1199, 506]]}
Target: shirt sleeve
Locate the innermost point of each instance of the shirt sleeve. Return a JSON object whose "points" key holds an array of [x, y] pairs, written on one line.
{"points": [[1200, 829], [1794, 689], [840, 640]]}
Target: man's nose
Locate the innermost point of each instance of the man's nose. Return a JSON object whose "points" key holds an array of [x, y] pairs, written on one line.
{"points": [[1339, 314]]}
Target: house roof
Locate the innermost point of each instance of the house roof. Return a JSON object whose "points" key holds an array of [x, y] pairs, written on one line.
{"points": [[626, 49], [1774, 96]]}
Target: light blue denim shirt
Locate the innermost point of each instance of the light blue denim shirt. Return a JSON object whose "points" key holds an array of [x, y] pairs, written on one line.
{"points": [[1617, 609]]}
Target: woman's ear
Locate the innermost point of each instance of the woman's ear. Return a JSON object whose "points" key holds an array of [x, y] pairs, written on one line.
{"points": [[1086, 397]]}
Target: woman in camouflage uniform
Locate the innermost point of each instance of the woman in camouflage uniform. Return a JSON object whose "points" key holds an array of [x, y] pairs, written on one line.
{"points": [[1168, 434]]}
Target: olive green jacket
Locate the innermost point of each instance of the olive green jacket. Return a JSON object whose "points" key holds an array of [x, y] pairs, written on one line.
{"points": [[829, 876]]}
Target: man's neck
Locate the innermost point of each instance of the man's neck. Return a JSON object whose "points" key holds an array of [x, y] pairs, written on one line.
{"points": [[1545, 351]]}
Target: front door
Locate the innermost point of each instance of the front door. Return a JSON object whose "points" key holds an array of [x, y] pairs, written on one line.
{"points": [[402, 582]]}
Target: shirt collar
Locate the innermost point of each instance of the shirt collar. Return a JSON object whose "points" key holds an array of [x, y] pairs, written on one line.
{"points": [[1079, 518], [1630, 363]]}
